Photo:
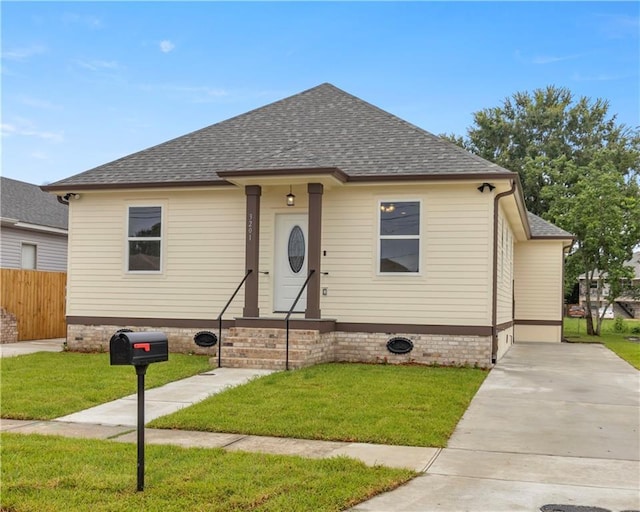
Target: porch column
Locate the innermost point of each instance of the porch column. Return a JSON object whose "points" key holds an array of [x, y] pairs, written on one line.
{"points": [[315, 191], [252, 251]]}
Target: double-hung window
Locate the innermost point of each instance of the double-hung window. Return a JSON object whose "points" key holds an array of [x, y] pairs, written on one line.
{"points": [[399, 249], [144, 239]]}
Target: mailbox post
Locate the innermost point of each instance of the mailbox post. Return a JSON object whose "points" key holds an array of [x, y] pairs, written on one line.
{"points": [[139, 349]]}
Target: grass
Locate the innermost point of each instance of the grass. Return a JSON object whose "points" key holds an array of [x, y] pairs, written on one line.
{"points": [[49, 385], [388, 404], [101, 476], [575, 330]]}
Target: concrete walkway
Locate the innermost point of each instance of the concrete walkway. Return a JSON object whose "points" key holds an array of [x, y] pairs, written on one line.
{"points": [[552, 424], [29, 347]]}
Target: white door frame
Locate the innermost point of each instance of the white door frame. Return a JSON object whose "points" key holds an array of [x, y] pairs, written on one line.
{"points": [[287, 282]]}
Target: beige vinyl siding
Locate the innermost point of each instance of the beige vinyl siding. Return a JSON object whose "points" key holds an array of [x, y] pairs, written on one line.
{"points": [[505, 250], [453, 284], [544, 333], [202, 255], [538, 286], [505, 340]]}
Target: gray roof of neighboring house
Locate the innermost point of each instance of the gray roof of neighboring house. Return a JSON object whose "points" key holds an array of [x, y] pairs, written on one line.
{"points": [[540, 228], [27, 203], [323, 127]]}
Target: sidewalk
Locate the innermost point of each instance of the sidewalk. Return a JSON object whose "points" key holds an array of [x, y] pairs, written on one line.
{"points": [[117, 421], [29, 347]]}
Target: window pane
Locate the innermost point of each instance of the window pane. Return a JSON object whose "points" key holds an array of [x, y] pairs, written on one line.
{"points": [[400, 218], [145, 221], [399, 255], [144, 255], [29, 256], [296, 249]]}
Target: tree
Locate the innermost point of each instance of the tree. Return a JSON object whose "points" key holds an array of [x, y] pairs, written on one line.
{"points": [[602, 209], [532, 133], [579, 168]]}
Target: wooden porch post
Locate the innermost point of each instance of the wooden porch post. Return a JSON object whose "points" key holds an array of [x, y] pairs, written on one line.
{"points": [[315, 191], [252, 251]]}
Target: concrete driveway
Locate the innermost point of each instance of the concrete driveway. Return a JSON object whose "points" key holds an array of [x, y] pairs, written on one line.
{"points": [[553, 424]]}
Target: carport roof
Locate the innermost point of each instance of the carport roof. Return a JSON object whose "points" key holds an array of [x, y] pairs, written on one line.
{"points": [[540, 228]]}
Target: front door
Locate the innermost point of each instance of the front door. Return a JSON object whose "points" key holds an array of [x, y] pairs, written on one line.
{"points": [[290, 268]]}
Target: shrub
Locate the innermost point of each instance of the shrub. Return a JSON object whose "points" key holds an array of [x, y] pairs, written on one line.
{"points": [[619, 325]]}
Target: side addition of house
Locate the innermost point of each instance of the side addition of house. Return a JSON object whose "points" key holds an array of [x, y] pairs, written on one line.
{"points": [[395, 241]]}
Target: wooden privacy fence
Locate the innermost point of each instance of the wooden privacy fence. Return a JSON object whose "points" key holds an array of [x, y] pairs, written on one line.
{"points": [[37, 299]]}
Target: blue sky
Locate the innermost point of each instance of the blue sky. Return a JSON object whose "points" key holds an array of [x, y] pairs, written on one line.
{"points": [[84, 83]]}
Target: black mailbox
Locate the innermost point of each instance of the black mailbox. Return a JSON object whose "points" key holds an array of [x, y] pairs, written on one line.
{"points": [[138, 348]]}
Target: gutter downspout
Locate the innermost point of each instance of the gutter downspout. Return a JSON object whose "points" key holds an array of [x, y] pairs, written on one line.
{"points": [[494, 312]]}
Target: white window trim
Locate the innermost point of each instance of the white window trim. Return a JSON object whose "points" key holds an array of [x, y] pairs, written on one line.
{"points": [[161, 238], [35, 246], [380, 237]]}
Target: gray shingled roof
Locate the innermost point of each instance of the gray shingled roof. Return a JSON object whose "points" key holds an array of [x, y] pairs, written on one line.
{"points": [[27, 203], [323, 127], [540, 228]]}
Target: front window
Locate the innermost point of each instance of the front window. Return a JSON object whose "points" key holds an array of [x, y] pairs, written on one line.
{"points": [[144, 238], [399, 248]]}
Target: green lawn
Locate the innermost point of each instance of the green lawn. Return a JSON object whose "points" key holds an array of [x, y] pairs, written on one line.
{"points": [[47, 473], [49, 385], [388, 404], [575, 330]]}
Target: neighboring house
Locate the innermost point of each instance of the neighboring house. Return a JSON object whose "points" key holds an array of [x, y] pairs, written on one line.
{"points": [[33, 228], [624, 306], [33, 237], [399, 233]]}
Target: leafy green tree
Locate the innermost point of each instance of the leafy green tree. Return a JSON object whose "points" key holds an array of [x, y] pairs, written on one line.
{"points": [[579, 168], [536, 134], [602, 209]]}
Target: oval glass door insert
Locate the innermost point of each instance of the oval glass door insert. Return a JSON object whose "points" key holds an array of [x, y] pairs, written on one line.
{"points": [[296, 249]]}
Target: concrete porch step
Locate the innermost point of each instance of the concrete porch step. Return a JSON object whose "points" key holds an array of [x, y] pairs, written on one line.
{"points": [[257, 363], [263, 353]]}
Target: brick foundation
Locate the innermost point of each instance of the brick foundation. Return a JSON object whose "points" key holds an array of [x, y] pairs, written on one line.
{"points": [[95, 338], [8, 327], [265, 347], [446, 350]]}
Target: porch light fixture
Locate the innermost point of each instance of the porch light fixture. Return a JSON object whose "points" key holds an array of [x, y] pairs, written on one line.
{"points": [[486, 185], [291, 199]]}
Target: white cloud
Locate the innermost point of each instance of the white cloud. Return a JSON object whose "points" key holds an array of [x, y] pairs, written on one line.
{"points": [[89, 21], [166, 46], [550, 59], [39, 155], [599, 77], [25, 129], [616, 26], [23, 53], [38, 103], [97, 65], [195, 94]]}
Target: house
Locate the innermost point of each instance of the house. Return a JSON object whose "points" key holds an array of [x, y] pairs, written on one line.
{"points": [[622, 307], [33, 258], [33, 226], [409, 244]]}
